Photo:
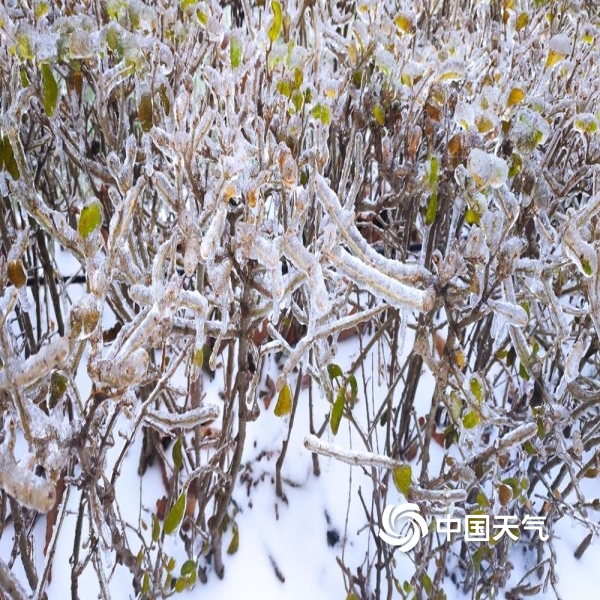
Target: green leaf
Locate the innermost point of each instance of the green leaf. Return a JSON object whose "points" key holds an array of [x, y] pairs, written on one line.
{"points": [[198, 358], [283, 87], [235, 541], [155, 529], [171, 564], [334, 371], [476, 386], [523, 372], [322, 113], [284, 402], [181, 585], [471, 419], [24, 46], [402, 477], [482, 500], [433, 172], [298, 100], [337, 411], [472, 217], [235, 51], [89, 219], [146, 585], [145, 111], [353, 388], [49, 90], [379, 114], [175, 517], [275, 28], [177, 455], [188, 567], [7, 157], [432, 207], [427, 583], [298, 78]]}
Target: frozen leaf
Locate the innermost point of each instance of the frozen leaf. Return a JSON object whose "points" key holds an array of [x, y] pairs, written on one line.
{"points": [[177, 455], [472, 217], [470, 420], [275, 28], [334, 371], [487, 169], [379, 114], [49, 90], [337, 411], [513, 313], [175, 516], [464, 115], [236, 49], [586, 123], [515, 97], [90, 219], [235, 541], [322, 113], [353, 387], [16, 273], [505, 494], [7, 158], [402, 477], [522, 20], [580, 347], [145, 110], [404, 22], [155, 529], [431, 211], [284, 402], [188, 567], [559, 47], [476, 386]]}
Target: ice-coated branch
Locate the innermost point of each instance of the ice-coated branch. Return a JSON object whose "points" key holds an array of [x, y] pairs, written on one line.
{"points": [[122, 372], [10, 584], [358, 458], [304, 260], [23, 485], [352, 457], [379, 283], [18, 374], [357, 243], [167, 421]]}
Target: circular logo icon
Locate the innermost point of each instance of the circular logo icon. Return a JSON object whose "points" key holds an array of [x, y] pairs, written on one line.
{"points": [[418, 528]]}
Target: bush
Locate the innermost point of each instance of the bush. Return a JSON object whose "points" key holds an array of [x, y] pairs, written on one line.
{"points": [[239, 181]]}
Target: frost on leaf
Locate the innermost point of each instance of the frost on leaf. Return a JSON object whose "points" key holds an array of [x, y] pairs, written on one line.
{"points": [[487, 169]]}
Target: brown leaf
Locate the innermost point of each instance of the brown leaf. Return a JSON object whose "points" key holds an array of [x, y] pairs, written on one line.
{"points": [[161, 508], [51, 517]]}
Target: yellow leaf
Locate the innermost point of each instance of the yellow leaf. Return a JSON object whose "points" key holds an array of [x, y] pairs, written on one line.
{"points": [[516, 95], [553, 58], [522, 21], [402, 477], [90, 219], [275, 28], [284, 402]]}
